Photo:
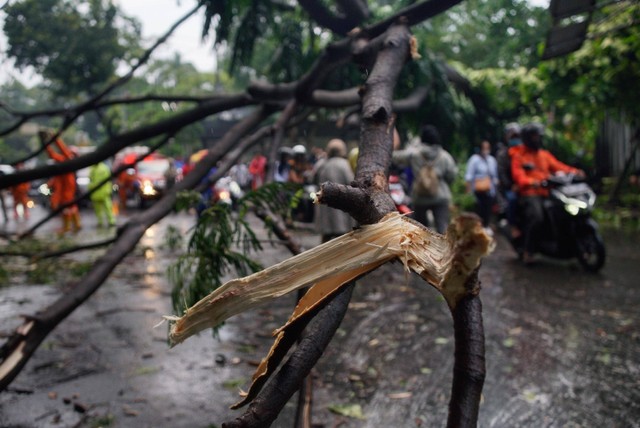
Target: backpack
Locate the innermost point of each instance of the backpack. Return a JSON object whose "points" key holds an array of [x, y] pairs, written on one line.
{"points": [[427, 182]]}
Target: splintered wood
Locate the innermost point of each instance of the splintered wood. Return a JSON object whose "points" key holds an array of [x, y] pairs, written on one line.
{"points": [[444, 261]]}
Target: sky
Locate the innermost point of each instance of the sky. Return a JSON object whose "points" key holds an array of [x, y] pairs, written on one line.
{"points": [[156, 16]]}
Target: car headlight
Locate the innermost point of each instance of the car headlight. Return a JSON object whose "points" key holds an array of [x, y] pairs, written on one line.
{"points": [[147, 188]]}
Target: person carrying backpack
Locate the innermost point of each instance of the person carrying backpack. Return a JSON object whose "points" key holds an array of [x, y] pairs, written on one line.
{"points": [[433, 169]]}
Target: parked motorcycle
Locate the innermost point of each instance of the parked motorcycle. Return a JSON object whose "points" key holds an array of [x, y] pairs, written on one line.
{"points": [[569, 230]]}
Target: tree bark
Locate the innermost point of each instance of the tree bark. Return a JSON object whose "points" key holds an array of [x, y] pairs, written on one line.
{"points": [[469, 364], [375, 142]]}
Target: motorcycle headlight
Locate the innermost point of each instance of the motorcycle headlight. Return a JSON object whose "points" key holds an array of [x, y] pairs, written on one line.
{"points": [[572, 209], [573, 206]]}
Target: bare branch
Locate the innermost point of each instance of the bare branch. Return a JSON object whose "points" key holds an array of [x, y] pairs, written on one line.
{"points": [[117, 143], [85, 195], [61, 252], [339, 24], [76, 112]]}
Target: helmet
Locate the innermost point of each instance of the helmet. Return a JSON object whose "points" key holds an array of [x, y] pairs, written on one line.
{"points": [[532, 135], [511, 128], [299, 149], [531, 129]]}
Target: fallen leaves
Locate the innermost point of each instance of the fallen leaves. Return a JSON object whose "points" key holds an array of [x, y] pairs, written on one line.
{"points": [[348, 410]]}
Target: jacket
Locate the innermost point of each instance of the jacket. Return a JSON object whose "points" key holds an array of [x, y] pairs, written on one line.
{"points": [[480, 167], [331, 221], [531, 167], [97, 174], [64, 185], [416, 156]]}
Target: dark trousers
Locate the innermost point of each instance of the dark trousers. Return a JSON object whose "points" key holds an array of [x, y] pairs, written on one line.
{"points": [[484, 206], [533, 212], [440, 213]]}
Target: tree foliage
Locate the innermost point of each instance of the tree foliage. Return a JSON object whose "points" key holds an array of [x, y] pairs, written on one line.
{"points": [[488, 34], [75, 45]]}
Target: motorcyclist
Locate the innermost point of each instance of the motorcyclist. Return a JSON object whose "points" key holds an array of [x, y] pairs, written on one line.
{"points": [[531, 166], [507, 187]]}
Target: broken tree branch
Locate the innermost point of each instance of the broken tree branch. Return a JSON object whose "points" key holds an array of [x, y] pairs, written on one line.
{"points": [[19, 348]]}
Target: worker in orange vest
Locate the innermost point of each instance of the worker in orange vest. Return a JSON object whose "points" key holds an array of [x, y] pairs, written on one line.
{"points": [[20, 193], [64, 185]]}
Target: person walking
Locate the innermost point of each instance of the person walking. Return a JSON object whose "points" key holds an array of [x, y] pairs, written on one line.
{"points": [[99, 179], [170, 175], [481, 178], [63, 186], [434, 170], [20, 194], [331, 222]]}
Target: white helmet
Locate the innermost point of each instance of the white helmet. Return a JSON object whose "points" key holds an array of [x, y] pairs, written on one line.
{"points": [[299, 149]]}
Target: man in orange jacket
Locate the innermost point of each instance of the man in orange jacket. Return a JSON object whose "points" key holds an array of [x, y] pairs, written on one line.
{"points": [[531, 166], [64, 185]]}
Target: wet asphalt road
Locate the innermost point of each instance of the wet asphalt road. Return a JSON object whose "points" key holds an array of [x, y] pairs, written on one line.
{"points": [[563, 348]]}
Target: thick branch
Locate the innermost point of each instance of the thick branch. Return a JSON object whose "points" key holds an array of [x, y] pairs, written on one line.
{"points": [[373, 179], [266, 407], [376, 132], [469, 366], [339, 24]]}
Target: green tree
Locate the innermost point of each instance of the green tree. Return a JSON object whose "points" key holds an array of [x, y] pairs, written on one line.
{"points": [[488, 33], [75, 45]]}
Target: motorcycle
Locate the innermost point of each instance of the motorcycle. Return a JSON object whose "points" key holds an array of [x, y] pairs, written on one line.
{"points": [[569, 230], [226, 191]]}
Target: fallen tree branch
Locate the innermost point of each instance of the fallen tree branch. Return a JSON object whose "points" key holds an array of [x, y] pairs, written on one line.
{"points": [[54, 213], [117, 143], [443, 261], [21, 345], [61, 252], [449, 263]]}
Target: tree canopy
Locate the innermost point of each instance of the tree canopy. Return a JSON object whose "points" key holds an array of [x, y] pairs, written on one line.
{"points": [[75, 45]]}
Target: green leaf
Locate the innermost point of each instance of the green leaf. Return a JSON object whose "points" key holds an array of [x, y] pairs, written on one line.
{"points": [[348, 410]]}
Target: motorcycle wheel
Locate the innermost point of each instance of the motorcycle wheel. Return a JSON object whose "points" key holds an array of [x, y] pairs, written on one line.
{"points": [[590, 251]]}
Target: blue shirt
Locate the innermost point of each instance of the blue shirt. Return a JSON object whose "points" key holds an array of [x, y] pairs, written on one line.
{"points": [[480, 167]]}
